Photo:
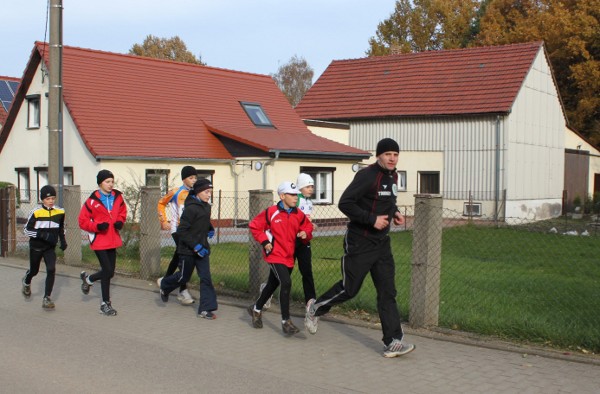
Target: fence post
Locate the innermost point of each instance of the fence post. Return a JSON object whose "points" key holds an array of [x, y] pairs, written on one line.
{"points": [[72, 205], [259, 271], [426, 261], [149, 232], [3, 222]]}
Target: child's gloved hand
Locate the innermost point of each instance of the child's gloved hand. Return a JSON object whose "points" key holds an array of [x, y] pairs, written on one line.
{"points": [[201, 250], [102, 226]]}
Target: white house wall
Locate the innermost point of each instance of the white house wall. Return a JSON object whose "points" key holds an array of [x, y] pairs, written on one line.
{"points": [[468, 146], [334, 134], [535, 145]]}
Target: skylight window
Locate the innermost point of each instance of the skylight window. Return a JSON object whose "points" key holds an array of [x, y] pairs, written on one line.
{"points": [[257, 115]]}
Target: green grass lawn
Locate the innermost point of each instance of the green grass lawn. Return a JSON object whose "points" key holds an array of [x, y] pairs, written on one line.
{"points": [[509, 282]]}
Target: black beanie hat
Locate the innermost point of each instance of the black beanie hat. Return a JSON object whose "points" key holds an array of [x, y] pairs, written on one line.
{"points": [[47, 191], [387, 145], [188, 171], [201, 185], [103, 175]]}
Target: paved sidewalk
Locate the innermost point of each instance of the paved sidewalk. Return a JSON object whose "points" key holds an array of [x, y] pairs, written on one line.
{"points": [[340, 358]]}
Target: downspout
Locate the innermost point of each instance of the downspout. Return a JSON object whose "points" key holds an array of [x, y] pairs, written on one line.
{"points": [[497, 172], [268, 163]]}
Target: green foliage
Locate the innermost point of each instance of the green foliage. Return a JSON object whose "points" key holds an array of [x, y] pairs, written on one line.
{"points": [[165, 48], [423, 25], [294, 79]]}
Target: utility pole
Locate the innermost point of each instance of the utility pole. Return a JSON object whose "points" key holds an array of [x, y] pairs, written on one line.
{"points": [[55, 102]]}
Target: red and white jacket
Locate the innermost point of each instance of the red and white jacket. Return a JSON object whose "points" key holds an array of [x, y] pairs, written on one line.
{"points": [[280, 228], [94, 212]]}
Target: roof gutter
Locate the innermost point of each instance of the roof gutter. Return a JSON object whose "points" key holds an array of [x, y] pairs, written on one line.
{"points": [[321, 154], [169, 159]]}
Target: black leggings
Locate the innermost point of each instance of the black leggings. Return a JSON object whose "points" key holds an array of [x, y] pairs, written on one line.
{"points": [[108, 260], [279, 275], [174, 263], [35, 259]]}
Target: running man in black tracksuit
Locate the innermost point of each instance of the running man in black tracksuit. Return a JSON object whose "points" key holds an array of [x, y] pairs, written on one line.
{"points": [[370, 204]]}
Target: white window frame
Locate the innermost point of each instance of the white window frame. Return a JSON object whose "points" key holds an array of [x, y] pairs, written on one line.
{"points": [[33, 111], [402, 181], [472, 209], [323, 177], [42, 178], [162, 177], [23, 184], [68, 176]]}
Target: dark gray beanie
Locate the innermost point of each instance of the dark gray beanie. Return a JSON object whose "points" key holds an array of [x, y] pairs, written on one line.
{"points": [[201, 185], [188, 171], [387, 145], [47, 191], [103, 175]]}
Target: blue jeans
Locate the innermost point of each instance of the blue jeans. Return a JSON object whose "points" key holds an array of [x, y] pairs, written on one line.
{"points": [[208, 296]]}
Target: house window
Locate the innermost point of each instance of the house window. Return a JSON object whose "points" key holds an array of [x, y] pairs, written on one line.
{"points": [[401, 181], [23, 185], [206, 174], [256, 114], [158, 178], [429, 182], [42, 178], [323, 177], [68, 176], [33, 111]]}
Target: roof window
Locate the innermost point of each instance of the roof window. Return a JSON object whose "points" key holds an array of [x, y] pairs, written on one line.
{"points": [[256, 114]]}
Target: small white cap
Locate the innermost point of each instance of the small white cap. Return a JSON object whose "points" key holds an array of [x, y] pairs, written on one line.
{"points": [[304, 180], [287, 188]]}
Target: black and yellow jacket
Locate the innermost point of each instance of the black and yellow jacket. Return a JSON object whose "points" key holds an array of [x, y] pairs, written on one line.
{"points": [[45, 227]]}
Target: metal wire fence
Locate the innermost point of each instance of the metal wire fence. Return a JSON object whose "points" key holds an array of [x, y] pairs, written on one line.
{"points": [[516, 279]]}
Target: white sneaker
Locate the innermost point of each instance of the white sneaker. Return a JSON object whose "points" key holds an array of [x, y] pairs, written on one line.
{"points": [[185, 297], [396, 348], [267, 304], [311, 322]]}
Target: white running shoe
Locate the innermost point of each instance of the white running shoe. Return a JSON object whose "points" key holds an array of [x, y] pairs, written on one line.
{"points": [[396, 348], [267, 304], [311, 322], [185, 297]]}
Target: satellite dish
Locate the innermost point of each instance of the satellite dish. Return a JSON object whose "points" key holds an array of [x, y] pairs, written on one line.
{"points": [[258, 165], [355, 167]]}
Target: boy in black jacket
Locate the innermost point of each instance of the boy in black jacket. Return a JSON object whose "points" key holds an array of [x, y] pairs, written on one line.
{"points": [[194, 231], [45, 228]]}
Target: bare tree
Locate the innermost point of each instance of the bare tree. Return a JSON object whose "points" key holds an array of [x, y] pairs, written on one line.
{"points": [[294, 79]]}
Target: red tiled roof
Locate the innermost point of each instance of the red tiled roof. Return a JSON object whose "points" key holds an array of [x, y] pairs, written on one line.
{"points": [[131, 106], [449, 82]]}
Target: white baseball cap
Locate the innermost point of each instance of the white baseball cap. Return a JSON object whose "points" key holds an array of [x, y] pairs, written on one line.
{"points": [[287, 188]]}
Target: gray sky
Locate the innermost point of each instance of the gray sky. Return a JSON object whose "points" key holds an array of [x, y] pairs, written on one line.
{"points": [[253, 36]]}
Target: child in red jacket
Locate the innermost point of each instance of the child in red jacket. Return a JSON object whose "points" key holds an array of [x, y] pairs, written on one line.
{"points": [[103, 216], [276, 229]]}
